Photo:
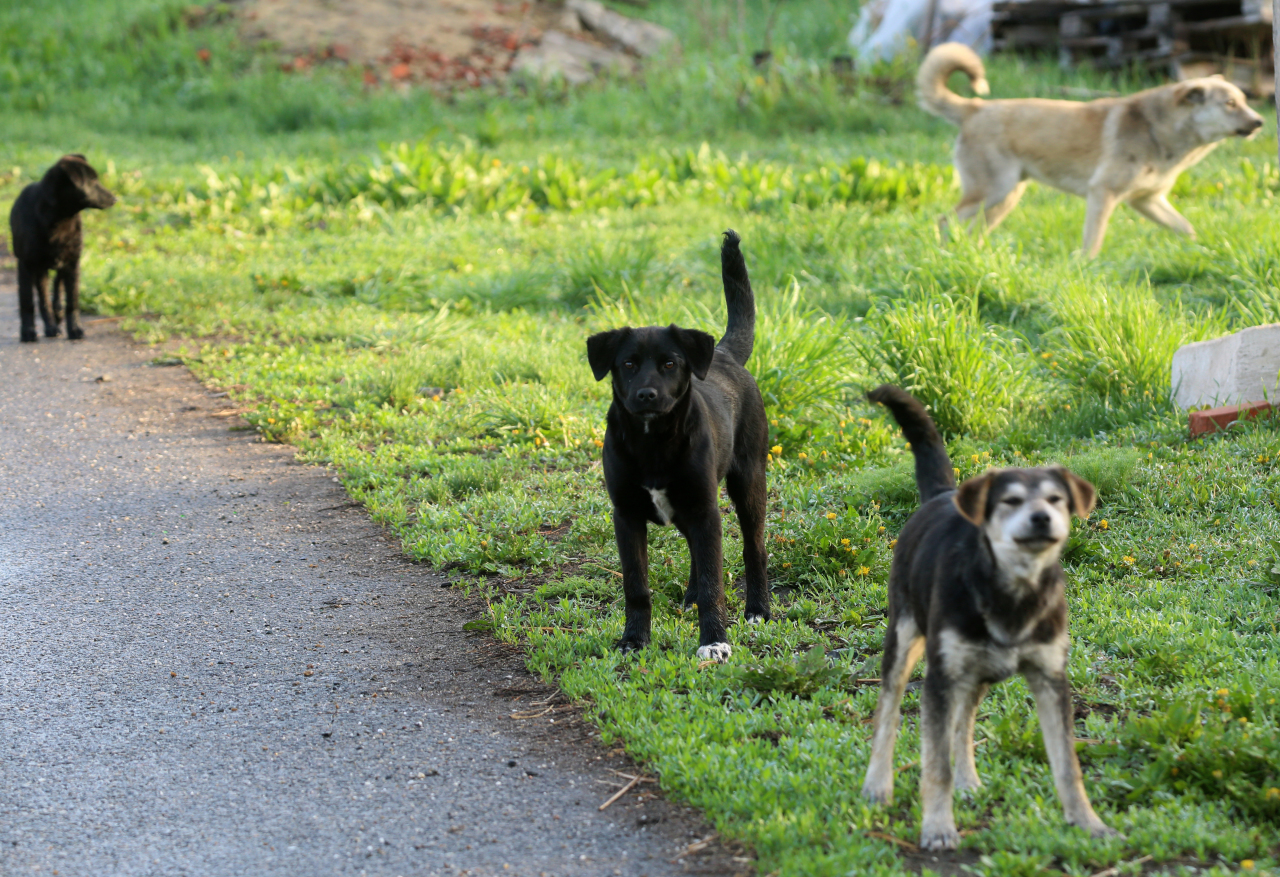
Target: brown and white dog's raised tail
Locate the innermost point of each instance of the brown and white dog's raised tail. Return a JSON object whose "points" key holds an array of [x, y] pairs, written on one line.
{"points": [[934, 474], [931, 82]]}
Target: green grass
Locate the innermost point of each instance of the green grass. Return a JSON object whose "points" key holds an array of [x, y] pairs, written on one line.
{"points": [[400, 286]]}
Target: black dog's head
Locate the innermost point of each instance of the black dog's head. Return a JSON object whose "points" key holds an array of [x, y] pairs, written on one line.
{"points": [[652, 367], [73, 184]]}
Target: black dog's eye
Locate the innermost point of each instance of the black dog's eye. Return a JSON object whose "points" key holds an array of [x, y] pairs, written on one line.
{"points": [[1012, 501], [670, 364], [628, 364]]}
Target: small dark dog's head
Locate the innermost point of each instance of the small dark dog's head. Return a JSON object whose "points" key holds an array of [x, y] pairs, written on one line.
{"points": [[1026, 514], [73, 183], [652, 367]]}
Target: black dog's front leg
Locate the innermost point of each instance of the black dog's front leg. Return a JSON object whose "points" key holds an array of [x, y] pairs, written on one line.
{"points": [[51, 327], [70, 278], [632, 535], [707, 560], [27, 303]]}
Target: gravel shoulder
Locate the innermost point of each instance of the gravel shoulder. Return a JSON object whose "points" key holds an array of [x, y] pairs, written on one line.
{"points": [[211, 662]]}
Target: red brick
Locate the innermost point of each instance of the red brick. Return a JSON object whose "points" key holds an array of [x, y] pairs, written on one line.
{"points": [[1220, 418]]}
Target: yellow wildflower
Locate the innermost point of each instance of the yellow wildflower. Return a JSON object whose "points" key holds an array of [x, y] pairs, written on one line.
{"points": [[831, 516], [1103, 525], [776, 450], [864, 570], [844, 541]]}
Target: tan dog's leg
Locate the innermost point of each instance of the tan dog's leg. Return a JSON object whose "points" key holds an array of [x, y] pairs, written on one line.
{"points": [[1053, 706], [938, 821], [1100, 204], [1159, 210], [903, 646], [965, 711], [995, 213]]}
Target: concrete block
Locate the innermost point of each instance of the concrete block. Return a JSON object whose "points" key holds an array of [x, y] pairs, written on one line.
{"points": [[1244, 367]]}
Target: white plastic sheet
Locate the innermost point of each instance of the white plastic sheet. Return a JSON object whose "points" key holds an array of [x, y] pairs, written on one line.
{"points": [[886, 27]]}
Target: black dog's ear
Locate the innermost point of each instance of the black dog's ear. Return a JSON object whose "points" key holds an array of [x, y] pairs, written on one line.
{"points": [[971, 498], [699, 349], [1193, 94], [1083, 496], [602, 349]]}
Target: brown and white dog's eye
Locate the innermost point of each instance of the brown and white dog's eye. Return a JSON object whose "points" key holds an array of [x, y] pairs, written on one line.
{"points": [[1012, 501], [1055, 499], [670, 364]]}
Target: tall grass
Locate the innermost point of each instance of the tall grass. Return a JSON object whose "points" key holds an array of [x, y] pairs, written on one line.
{"points": [[971, 377]]}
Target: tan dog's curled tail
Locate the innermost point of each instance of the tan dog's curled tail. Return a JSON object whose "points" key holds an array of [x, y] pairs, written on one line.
{"points": [[931, 82]]}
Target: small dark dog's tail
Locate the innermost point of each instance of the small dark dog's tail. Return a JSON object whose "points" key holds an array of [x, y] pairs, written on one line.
{"points": [[740, 334], [934, 474]]}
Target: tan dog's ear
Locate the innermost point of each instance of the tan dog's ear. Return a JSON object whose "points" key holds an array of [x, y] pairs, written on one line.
{"points": [[1083, 496], [1192, 94], [971, 499]]}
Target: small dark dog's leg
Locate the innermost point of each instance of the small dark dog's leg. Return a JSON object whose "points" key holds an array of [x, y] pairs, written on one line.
{"points": [[633, 552], [903, 646], [55, 295], [966, 771], [1057, 720], [70, 278], [27, 303], [748, 492], [691, 591], [705, 546], [51, 327], [938, 821]]}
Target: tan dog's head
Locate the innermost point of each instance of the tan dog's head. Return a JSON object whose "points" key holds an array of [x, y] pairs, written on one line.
{"points": [[1026, 515], [1217, 108]]}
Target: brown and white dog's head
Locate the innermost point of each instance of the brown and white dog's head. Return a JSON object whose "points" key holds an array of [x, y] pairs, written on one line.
{"points": [[1217, 108], [1026, 516]]}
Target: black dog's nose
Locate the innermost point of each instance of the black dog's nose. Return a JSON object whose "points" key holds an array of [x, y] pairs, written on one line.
{"points": [[1040, 520], [646, 394]]}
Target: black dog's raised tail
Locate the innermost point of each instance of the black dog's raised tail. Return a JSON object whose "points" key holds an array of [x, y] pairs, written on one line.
{"points": [[740, 333], [934, 474]]}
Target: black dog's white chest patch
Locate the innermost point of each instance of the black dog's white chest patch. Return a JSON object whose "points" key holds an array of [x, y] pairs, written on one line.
{"points": [[662, 505]]}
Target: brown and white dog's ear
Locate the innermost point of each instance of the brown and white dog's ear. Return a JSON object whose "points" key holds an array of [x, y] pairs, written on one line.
{"points": [[1191, 94], [1083, 496], [602, 349], [971, 499]]}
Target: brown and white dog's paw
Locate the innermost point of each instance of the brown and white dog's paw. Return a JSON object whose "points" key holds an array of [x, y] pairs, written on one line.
{"points": [[878, 792], [718, 652]]}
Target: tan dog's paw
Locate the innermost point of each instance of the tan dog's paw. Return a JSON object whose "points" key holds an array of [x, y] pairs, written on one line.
{"points": [[942, 838], [877, 792]]}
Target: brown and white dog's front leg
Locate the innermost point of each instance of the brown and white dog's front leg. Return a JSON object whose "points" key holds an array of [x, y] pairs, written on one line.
{"points": [[903, 646], [938, 821], [964, 712], [632, 534], [1053, 705]]}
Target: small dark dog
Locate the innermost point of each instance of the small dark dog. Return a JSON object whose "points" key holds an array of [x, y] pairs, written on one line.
{"points": [[976, 585], [685, 416], [47, 236]]}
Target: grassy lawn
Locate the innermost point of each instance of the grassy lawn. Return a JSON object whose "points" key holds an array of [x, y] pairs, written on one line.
{"points": [[400, 286]]}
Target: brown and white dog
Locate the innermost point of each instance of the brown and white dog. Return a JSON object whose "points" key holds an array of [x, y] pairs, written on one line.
{"points": [[977, 588], [1124, 149]]}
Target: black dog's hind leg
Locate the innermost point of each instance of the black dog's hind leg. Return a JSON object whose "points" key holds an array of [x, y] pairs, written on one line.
{"points": [[27, 303], [938, 821], [55, 295], [747, 490], [70, 278], [705, 549], [633, 552], [51, 328]]}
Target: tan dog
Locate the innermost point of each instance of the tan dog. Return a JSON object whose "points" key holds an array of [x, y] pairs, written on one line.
{"points": [[1128, 149]]}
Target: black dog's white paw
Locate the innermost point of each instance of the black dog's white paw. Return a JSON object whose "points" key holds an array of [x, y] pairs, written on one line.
{"points": [[718, 652]]}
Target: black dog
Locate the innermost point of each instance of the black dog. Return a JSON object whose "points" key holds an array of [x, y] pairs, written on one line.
{"points": [[976, 585], [685, 416], [47, 236]]}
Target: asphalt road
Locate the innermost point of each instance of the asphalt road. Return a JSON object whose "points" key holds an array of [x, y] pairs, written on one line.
{"points": [[211, 663]]}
